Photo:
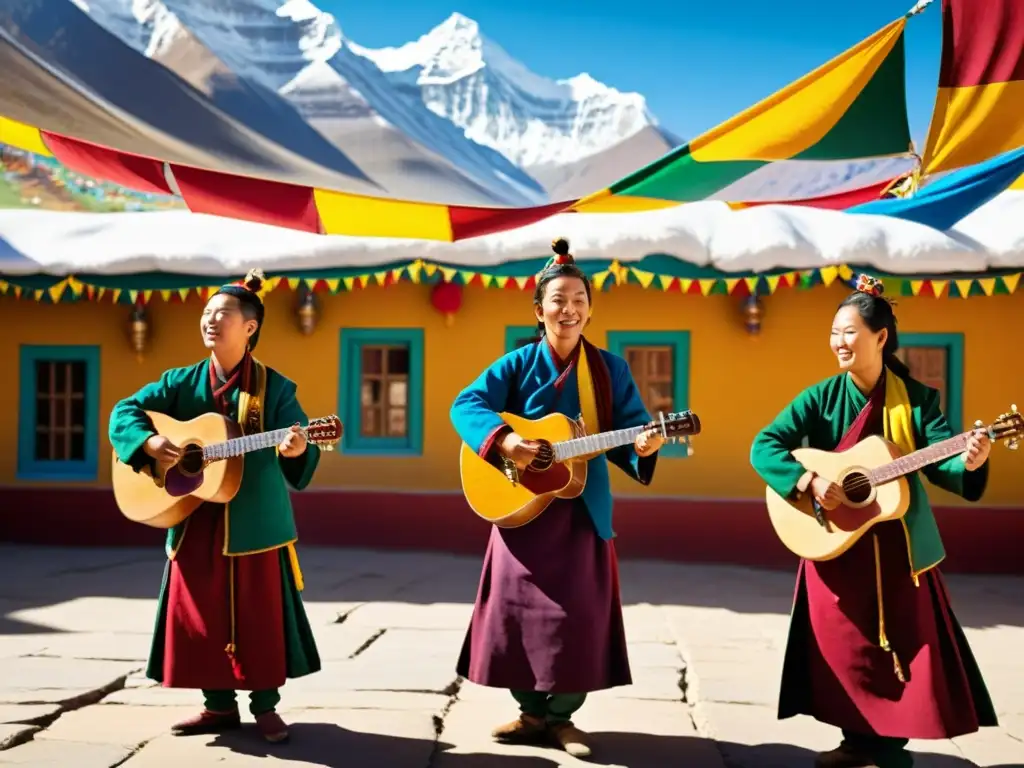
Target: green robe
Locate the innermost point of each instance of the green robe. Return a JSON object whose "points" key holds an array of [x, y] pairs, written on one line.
{"points": [[183, 394], [259, 518], [823, 412]]}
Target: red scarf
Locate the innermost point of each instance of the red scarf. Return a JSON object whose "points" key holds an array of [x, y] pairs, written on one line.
{"points": [[240, 376]]}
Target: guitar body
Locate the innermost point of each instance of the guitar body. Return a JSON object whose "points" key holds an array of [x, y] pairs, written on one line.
{"points": [[492, 496], [795, 522], [166, 501]]}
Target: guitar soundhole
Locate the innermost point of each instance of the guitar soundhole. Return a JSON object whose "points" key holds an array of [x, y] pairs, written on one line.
{"points": [[191, 462], [856, 487], [544, 459]]}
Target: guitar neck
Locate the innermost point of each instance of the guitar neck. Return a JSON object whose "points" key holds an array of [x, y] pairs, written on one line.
{"points": [[241, 445], [599, 443], [912, 462]]}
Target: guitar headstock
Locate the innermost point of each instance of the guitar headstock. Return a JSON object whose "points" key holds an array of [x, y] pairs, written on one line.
{"points": [[676, 426], [1008, 427], [325, 431]]}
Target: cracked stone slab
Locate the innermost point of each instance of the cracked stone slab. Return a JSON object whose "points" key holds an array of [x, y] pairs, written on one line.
{"points": [[410, 616], [11, 734], [318, 738], [27, 714], [397, 646], [646, 624], [666, 655], [652, 683], [337, 642], [721, 682], [124, 726], [41, 752], [989, 747], [59, 681], [361, 674], [104, 646]]}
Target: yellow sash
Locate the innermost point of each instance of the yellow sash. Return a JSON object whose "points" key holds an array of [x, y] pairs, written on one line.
{"points": [[588, 400], [897, 421], [898, 428]]}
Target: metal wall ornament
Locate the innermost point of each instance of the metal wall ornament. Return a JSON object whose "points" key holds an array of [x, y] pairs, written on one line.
{"points": [[139, 329], [307, 312], [753, 314]]}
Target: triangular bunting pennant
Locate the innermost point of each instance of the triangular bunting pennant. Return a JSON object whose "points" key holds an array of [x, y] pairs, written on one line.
{"points": [[1011, 281], [828, 275], [988, 285]]}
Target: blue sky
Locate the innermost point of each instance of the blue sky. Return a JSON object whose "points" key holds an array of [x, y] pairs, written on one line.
{"points": [[697, 63]]}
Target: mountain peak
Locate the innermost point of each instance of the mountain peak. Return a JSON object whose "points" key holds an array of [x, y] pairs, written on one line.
{"points": [[458, 23]]}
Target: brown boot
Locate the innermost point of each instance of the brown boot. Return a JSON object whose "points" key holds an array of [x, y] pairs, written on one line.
{"points": [[843, 756], [272, 727], [527, 729], [207, 722], [571, 739]]}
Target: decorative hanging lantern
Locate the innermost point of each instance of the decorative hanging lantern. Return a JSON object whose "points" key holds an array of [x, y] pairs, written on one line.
{"points": [[753, 313], [446, 298], [138, 329], [308, 311]]}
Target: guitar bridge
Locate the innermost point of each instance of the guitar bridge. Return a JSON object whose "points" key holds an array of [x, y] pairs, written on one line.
{"points": [[510, 470]]}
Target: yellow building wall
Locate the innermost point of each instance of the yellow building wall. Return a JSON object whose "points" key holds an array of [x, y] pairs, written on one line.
{"points": [[738, 382]]}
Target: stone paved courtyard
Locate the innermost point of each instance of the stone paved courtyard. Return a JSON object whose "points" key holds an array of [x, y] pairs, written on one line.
{"points": [[705, 644]]}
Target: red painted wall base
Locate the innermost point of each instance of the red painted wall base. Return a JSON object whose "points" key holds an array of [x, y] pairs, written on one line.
{"points": [[978, 539]]}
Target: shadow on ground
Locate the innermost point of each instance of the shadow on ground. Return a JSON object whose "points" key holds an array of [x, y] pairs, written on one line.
{"points": [[32, 577], [329, 745]]}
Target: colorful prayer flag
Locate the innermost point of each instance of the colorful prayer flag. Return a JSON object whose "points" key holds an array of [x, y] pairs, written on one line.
{"points": [[979, 107], [852, 107]]}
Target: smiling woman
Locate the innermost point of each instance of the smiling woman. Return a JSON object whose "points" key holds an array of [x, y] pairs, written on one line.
{"points": [[874, 646]]}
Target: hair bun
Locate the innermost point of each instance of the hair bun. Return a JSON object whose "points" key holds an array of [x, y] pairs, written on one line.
{"points": [[254, 280], [561, 248]]}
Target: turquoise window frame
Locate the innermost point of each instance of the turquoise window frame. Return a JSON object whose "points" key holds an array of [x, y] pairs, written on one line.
{"points": [[31, 468], [953, 343], [515, 332], [680, 343], [352, 341]]}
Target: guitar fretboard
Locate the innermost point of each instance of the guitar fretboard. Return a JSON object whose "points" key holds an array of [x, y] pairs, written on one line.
{"points": [[603, 441], [239, 445], [914, 461]]}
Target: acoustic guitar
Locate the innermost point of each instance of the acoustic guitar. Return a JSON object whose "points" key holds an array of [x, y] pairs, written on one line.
{"points": [[872, 476], [209, 469], [510, 498]]}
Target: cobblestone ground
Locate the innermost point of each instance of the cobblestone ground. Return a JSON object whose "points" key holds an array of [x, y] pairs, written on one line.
{"points": [[705, 643]]}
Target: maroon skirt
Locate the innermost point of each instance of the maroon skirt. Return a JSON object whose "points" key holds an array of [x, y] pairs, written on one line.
{"points": [[548, 615], [198, 628], [835, 670]]}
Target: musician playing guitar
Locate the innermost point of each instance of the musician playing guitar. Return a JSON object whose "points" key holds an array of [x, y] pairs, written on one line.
{"points": [[230, 616], [547, 623], [874, 647]]}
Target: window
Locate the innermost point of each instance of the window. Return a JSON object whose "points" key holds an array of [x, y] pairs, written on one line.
{"points": [[58, 412], [518, 335], [381, 390], [937, 359], [660, 364]]}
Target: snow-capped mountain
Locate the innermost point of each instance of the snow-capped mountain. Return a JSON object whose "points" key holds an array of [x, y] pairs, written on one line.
{"points": [[450, 116], [469, 79]]}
